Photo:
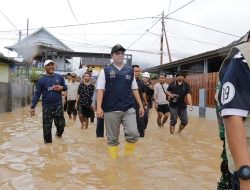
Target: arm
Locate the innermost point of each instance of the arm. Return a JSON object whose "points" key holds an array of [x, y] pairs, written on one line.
{"points": [[138, 100], [155, 96], [99, 111], [189, 101], [237, 141]]}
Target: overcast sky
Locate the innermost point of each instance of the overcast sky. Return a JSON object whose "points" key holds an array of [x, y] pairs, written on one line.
{"points": [[141, 37]]}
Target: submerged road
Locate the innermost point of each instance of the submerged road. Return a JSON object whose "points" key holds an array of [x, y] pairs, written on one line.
{"points": [[190, 161]]}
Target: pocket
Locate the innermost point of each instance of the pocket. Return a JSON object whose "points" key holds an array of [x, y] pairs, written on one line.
{"points": [[131, 111]]}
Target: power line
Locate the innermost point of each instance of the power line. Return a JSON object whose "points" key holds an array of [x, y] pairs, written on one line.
{"points": [[91, 23], [8, 20], [180, 8], [144, 33], [72, 12], [204, 27]]}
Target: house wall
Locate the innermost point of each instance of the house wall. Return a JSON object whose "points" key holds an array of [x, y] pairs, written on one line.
{"points": [[14, 95], [4, 73]]}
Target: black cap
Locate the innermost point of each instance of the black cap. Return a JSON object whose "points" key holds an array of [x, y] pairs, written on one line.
{"points": [[117, 47], [89, 70], [179, 73]]}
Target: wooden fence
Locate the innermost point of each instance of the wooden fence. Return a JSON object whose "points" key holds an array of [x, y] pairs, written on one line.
{"points": [[206, 81]]}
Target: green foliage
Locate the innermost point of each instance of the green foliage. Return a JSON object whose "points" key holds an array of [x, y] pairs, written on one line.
{"points": [[36, 73]]}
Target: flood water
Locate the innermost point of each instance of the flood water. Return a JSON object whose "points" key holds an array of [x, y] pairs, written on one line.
{"points": [[79, 160]]}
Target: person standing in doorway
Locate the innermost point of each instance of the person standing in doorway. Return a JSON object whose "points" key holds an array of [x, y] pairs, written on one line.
{"points": [[141, 90], [84, 100], [71, 95], [160, 100], [179, 91], [116, 87], [50, 86]]}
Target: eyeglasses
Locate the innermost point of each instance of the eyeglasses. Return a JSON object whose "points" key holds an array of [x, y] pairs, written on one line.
{"points": [[119, 53]]}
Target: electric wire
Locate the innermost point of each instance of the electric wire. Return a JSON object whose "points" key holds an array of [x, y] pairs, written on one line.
{"points": [[13, 25]]}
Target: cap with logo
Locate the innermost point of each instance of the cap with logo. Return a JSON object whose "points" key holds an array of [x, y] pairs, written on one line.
{"points": [[117, 47], [48, 62]]}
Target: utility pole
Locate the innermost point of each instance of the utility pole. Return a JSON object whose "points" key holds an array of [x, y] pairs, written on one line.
{"points": [[19, 43], [163, 32], [161, 45], [27, 39], [169, 55]]}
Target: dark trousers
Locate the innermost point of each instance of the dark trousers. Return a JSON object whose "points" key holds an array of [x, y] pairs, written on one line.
{"points": [[146, 117], [71, 107], [100, 127], [140, 123], [51, 113]]}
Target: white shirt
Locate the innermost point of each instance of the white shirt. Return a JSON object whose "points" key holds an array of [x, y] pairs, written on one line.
{"points": [[72, 90], [159, 94], [102, 81]]}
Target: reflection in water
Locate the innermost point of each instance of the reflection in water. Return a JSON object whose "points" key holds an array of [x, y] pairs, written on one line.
{"points": [[189, 161]]}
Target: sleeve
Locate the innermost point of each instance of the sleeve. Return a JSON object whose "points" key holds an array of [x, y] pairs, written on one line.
{"points": [[188, 91], [155, 90], [101, 80], [37, 94], [234, 92], [134, 85]]}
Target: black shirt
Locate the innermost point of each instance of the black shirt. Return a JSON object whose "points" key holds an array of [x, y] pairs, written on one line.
{"points": [[180, 91]]}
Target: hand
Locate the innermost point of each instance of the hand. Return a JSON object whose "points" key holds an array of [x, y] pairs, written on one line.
{"points": [[99, 113], [57, 88], [141, 112], [32, 112], [171, 95], [190, 108]]}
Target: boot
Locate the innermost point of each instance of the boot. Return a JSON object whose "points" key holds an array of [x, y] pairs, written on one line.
{"points": [[113, 152], [181, 127], [129, 148]]}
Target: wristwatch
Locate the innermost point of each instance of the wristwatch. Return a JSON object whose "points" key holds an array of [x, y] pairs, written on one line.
{"points": [[244, 172]]}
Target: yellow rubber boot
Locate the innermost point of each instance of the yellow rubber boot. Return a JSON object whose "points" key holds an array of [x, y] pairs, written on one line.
{"points": [[113, 152], [129, 148]]}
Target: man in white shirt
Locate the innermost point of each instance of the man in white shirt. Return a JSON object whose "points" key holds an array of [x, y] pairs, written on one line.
{"points": [[116, 87], [160, 100]]}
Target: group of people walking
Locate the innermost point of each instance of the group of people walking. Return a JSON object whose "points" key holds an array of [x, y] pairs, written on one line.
{"points": [[121, 97]]}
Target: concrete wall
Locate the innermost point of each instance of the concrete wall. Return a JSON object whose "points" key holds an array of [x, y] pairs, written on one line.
{"points": [[210, 113], [14, 95]]}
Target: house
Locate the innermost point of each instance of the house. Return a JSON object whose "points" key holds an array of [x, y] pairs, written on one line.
{"points": [[42, 45]]}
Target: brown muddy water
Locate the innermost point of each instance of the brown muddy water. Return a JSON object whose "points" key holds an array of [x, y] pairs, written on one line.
{"points": [[79, 160]]}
